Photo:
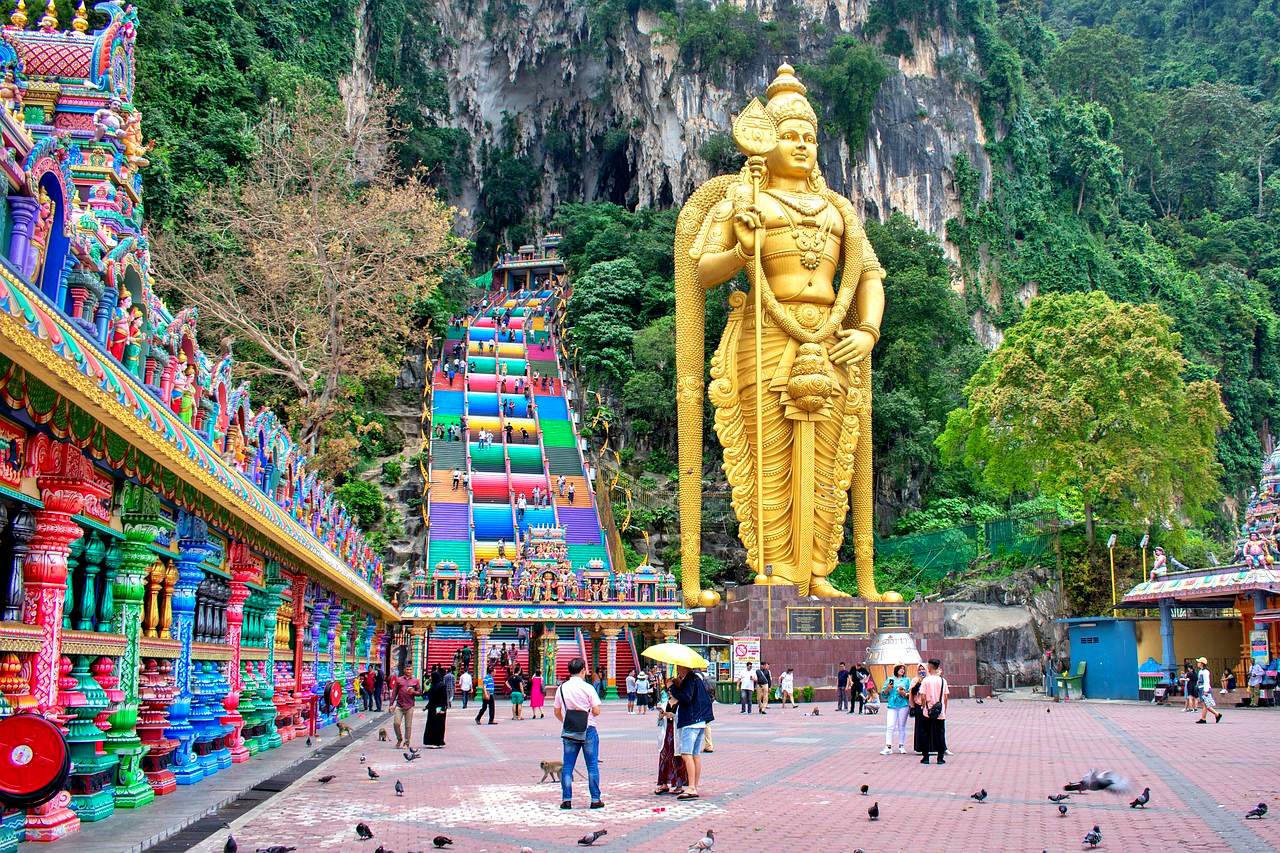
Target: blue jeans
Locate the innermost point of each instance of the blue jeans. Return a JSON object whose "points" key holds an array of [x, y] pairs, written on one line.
{"points": [[591, 750]]}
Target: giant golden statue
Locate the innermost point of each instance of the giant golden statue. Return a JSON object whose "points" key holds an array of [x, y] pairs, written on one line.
{"points": [[792, 395]]}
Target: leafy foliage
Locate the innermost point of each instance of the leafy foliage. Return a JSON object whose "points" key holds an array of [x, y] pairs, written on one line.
{"points": [[847, 81], [363, 500]]}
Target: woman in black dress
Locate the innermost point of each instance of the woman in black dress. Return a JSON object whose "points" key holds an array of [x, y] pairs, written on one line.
{"points": [[437, 704], [919, 738]]}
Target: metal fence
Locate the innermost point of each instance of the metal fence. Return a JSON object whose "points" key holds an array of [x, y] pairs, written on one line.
{"points": [[942, 552]]}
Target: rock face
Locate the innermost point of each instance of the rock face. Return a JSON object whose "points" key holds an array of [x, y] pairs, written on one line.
{"points": [[1012, 621], [620, 116]]}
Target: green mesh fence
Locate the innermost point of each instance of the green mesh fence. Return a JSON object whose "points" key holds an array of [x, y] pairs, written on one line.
{"points": [[941, 552]]}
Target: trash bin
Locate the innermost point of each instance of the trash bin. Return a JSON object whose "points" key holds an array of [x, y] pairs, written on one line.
{"points": [[726, 692]]}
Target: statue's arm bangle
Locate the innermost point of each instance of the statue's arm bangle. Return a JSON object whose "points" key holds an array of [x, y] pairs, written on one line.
{"points": [[743, 256], [870, 330]]}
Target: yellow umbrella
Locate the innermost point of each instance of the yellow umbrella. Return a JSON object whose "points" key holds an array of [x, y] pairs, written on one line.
{"points": [[676, 653]]}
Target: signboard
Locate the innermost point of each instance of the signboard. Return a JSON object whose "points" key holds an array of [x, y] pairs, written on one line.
{"points": [[746, 650], [805, 620], [891, 618], [1258, 648], [13, 449], [849, 620]]}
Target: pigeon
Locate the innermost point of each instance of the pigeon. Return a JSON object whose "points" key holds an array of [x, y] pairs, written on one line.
{"points": [[592, 837], [1093, 837], [276, 848], [979, 701], [231, 846], [363, 832], [704, 843], [1062, 810], [864, 789], [308, 741], [442, 841], [1141, 800], [874, 811], [399, 788], [381, 849], [526, 850], [362, 758], [410, 756], [373, 774], [1258, 813], [1100, 780], [979, 795], [1057, 798], [325, 780]]}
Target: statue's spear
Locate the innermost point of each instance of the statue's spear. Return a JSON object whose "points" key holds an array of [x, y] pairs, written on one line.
{"points": [[756, 134]]}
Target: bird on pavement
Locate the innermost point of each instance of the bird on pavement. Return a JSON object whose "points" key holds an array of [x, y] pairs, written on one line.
{"points": [[308, 741], [592, 837], [979, 701], [362, 758], [1100, 780], [382, 849], [704, 843], [363, 832], [441, 841], [979, 795], [1258, 812], [1062, 810], [1141, 800], [864, 789], [373, 774], [399, 788], [325, 780], [526, 850], [1057, 798], [231, 846], [410, 756], [276, 848], [1093, 837], [874, 811]]}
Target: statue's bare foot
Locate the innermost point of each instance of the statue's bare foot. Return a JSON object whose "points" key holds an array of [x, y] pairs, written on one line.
{"points": [[822, 588]]}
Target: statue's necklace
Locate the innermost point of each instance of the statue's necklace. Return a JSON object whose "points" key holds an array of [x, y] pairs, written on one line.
{"points": [[809, 235]]}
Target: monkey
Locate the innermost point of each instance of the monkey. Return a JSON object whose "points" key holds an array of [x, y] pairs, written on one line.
{"points": [[554, 769], [343, 729], [382, 735]]}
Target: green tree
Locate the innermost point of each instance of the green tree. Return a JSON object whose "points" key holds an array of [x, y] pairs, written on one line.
{"points": [[363, 500], [1208, 129], [1086, 396], [1086, 158], [847, 82]]}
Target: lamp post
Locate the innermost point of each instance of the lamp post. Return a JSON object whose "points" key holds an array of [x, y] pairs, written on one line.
{"points": [[1111, 556], [768, 573], [1143, 545]]}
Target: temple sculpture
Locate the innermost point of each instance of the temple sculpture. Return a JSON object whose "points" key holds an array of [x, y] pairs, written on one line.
{"points": [[792, 395]]}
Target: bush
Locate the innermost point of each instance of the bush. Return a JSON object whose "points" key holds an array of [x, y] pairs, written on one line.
{"points": [[391, 473], [806, 693], [363, 502]]}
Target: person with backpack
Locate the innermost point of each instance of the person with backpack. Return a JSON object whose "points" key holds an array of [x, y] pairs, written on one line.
{"points": [[932, 698]]}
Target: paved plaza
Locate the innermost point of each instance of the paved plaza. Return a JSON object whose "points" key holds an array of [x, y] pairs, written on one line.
{"points": [[789, 782]]}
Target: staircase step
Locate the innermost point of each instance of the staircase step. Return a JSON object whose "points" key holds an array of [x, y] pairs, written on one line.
{"points": [[557, 433]]}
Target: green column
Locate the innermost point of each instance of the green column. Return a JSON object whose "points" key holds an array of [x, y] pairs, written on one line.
{"points": [[143, 522], [276, 586], [97, 800]]}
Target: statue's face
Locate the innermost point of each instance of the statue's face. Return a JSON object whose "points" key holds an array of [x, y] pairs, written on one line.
{"points": [[796, 153]]}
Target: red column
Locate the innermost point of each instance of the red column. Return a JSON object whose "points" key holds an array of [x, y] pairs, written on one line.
{"points": [[242, 571], [63, 476], [300, 615]]}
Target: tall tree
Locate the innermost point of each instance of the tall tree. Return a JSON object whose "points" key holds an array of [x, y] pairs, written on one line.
{"points": [[1085, 399], [310, 265]]}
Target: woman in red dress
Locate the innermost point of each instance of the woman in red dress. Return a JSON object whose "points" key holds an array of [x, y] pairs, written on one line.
{"points": [[671, 771]]}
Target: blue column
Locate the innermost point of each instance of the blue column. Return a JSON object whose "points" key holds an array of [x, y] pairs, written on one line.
{"points": [[194, 548], [1167, 662]]}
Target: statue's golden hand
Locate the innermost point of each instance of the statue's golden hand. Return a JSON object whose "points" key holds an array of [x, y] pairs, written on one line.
{"points": [[746, 219], [854, 346]]}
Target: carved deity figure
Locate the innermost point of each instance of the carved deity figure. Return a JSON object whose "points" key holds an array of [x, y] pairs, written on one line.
{"points": [[40, 233], [791, 379]]}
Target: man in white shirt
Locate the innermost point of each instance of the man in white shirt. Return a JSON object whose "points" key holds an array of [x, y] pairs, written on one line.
{"points": [[747, 688], [631, 692], [577, 695], [464, 684]]}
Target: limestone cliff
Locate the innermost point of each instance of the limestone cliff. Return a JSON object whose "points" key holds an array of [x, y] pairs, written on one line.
{"points": [[620, 116]]}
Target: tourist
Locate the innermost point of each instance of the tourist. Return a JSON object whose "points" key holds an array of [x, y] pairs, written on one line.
{"points": [[366, 690], [709, 681], [1228, 682], [379, 682], [672, 775], [693, 712], [536, 697], [764, 683], [437, 709], [642, 692], [404, 690], [486, 696], [656, 685], [746, 688], [457, 478], [450, 681], [560, 481], [576, 706], [896, 693], [464, 685], [1190, 688], [842, 687], [1205, 684], [913, 709], [466, 480], [787, 684], [1256, 674], [857, 691], [631, 692], [932, 698], [515, 685]]}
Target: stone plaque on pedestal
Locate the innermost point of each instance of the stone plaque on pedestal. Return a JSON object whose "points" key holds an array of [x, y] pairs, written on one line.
{"points": [[806, 621], [849, 621]]}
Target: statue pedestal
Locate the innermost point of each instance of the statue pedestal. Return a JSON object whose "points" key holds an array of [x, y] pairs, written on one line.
{"points": [[813, 635]]}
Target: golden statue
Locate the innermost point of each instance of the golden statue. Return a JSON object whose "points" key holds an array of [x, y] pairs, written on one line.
{"points": [[807, 368]]}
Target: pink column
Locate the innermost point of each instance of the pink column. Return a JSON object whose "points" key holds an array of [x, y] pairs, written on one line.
{"points": [[242, 571]]}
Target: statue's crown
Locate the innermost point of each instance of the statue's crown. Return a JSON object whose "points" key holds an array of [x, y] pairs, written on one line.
{"points": [[787, 97]]}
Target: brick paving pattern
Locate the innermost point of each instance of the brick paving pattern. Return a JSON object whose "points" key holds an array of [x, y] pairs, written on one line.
{"points": [[786, 782]]}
